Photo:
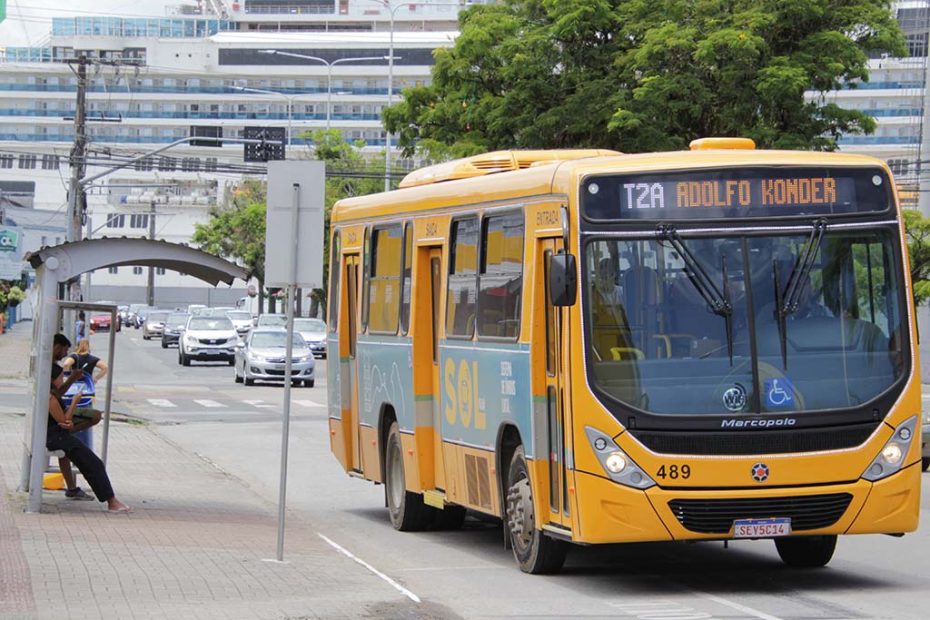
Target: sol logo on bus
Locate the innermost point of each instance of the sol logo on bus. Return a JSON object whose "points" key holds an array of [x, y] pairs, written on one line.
{"points": [[462, 402]]}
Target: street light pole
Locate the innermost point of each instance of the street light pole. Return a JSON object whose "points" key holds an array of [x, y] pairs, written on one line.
{"points": [[329, 71]]}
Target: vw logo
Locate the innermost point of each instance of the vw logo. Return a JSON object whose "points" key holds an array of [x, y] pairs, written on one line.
{"points": [[734, 399], [760, 472]]}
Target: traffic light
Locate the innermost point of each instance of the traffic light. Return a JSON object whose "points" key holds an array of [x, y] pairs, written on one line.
{"points": [[271, 146]]}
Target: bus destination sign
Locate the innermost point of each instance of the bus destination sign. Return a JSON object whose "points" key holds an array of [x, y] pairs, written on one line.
{"points": [[735, 193]]}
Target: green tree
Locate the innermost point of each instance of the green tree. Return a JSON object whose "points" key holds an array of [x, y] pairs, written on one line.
{"points": [[236, 228], [917, 228], [643, 75]]}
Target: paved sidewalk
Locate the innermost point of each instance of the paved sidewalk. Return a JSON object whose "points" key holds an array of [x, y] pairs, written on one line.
{"points": [[194, 548]]}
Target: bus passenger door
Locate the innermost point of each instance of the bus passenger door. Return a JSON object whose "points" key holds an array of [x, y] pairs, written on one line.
{"points": [[434, 322], [556, 424], [348, 335]]}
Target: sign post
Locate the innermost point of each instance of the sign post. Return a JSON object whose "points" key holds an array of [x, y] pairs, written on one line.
{"points": [[11, 259], [293, 257]]}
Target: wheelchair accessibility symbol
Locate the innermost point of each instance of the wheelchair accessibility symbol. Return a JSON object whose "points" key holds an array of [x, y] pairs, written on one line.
{"points": [[779, 393]]}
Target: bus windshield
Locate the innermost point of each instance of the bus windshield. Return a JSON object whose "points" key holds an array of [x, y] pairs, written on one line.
{"points": [[659, 341]]}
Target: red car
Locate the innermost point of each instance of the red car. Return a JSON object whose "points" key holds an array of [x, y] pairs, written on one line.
{"points": [[101, 323]]}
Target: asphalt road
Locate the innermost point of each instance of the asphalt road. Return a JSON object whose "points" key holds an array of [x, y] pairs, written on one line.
{"points": [[468, 573]]}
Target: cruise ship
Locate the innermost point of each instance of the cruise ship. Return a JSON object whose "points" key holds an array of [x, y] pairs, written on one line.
{"points": [[215, 67]]}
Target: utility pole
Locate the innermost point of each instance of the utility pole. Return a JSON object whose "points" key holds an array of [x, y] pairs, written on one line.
{"points": [[76, 199], [150, 288]]}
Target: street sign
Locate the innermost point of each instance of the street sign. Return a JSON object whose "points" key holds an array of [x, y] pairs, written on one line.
{"points": [[302, 183], [271, 147], [207, 131], [11, 257]]}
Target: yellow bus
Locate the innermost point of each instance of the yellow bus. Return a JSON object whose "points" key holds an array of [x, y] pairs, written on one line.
{"points": [[596, 348]]}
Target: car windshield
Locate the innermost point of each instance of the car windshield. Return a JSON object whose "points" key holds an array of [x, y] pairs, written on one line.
{"points": [[210, 323], [272, 320], [157, 317], [310, 325], [751, 341], [177, 320], [239, 316], [273, 340]]}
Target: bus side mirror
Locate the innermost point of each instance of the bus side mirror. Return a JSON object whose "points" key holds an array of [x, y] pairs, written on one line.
{"points": [[563, 279]]}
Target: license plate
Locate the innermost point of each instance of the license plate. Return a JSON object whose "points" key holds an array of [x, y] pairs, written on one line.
{"points": [[761, 528]]}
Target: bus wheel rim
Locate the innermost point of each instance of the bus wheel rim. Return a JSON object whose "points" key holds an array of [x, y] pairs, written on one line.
{"points": [[397, 477], [520, 516]]}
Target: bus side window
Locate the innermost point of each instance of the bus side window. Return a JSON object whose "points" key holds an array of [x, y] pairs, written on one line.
{"points": [[500, 284], [463, 273], [384, 279], [406, 279]]}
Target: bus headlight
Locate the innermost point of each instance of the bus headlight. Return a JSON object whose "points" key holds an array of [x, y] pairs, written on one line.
{"points": [[891, 457], [619, 466]]}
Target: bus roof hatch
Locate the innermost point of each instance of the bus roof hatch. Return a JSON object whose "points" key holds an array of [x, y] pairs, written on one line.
{"points": [[497, 161], [706, 144]]}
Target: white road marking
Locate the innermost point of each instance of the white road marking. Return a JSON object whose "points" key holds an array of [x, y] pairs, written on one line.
{"points": [[209, 403], [259, 403], [160, 402], [413, 597], [737, 606], [309, 403]]}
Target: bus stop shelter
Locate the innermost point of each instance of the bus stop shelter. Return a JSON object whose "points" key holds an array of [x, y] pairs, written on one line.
{"points": [[59, 264]]}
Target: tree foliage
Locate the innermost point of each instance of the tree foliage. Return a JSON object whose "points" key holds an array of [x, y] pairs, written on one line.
{"points": [[918, 245], [236, 228], [645, 75]]}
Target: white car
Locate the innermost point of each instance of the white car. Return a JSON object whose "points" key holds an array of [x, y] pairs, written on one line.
{"points": [[242, 321], [208, 338], [314, 333]]}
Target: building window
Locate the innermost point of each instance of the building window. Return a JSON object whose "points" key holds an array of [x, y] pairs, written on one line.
{"points": [[139, 220], [116, 221], [6, 161], [27, 161], [112, 269], [50, 162], [137, 271], [500, 283], [166, 164], [159, 271], [460, 298], [384, 279], [44, 241], [144, 164]]}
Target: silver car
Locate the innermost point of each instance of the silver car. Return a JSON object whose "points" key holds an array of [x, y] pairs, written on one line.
{"points": [[154, 325], [314, 332], [262, 356]]}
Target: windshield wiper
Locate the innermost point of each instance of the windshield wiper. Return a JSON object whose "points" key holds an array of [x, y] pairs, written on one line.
{"points": [[719, 302], [786, 302]]}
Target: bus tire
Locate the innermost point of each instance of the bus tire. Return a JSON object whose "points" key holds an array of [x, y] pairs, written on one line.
{"points": [[806, 551], [407, 510], [925, 463], [535, 552]]}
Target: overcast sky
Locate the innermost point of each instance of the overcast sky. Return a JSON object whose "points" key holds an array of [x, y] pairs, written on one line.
{"points": [[28, 22]]}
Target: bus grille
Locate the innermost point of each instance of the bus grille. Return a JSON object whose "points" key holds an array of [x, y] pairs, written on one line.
{"points": [[716, 516], [755, 442]]}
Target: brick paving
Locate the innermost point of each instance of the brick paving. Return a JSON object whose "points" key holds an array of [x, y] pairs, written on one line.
{"points": [[194, 548]]}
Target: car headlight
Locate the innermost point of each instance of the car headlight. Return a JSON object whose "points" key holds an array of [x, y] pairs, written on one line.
{"points": [[619, 466], [256, 357], [190, 340], [891, 457], [927, 417]]}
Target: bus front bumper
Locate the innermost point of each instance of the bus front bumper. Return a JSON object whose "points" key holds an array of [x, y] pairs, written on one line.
{"points": [[623, 514]]}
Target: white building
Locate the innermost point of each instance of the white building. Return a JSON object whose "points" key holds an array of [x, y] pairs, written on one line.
{"points": [[207, 66]]}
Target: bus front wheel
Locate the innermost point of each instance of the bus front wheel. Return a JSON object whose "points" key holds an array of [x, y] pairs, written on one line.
{"points": [[535, 552], [806, 551], [408, 512]]}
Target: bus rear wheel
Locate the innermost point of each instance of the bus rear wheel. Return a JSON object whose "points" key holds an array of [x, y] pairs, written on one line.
{"points": [[535, 552], [407, 510], [806, 551]]}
